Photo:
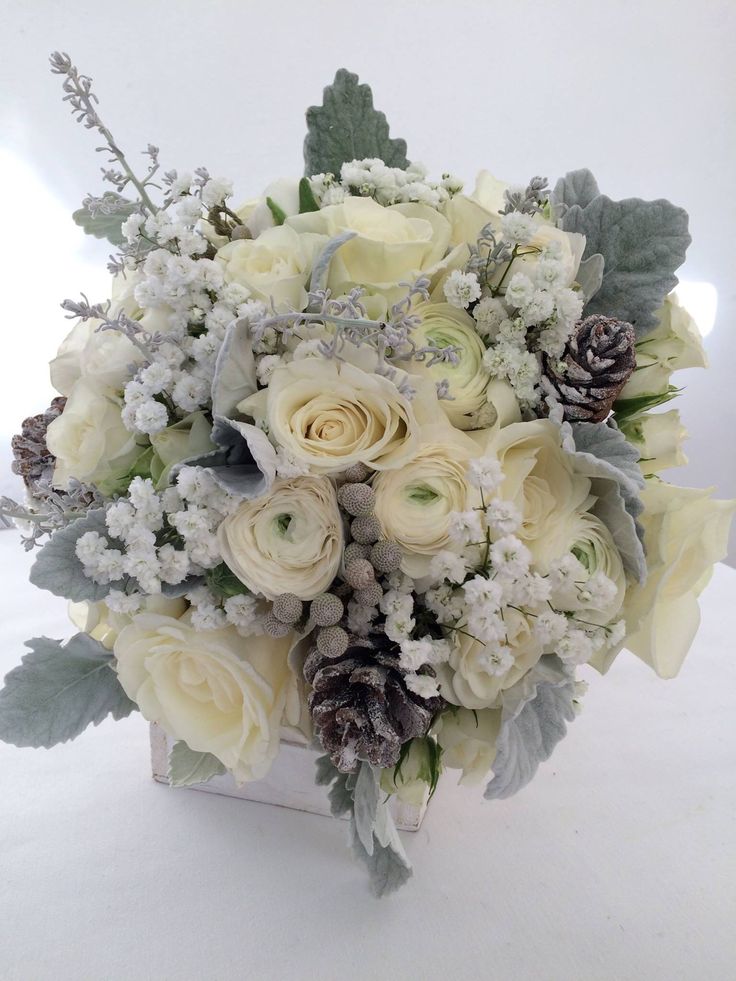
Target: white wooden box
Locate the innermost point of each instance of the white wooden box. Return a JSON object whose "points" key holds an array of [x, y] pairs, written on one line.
{"points": [[289, 783]]}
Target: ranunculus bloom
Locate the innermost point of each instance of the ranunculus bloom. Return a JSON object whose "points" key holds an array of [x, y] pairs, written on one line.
{"points": [[392, 245], [592, 544], [414, 503], [290, 541], [330, 414], [221, 693], [468, 741], [443, 325]]}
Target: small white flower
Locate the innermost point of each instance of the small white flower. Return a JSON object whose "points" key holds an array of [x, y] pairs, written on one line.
{"points": [[538, 308], [174, 564], [464, 527], [414, 653], [485, 473], [461, 289], [131, 228], [549, 627], [496, 661], [447, 565], [190, 393], [480, 591], [215, 191], [266, 367], [422, 685], [517, 228], [575, 647], [520, 290], [489, 313], [151, 417], [503, 517], [120, 602], [208, 617], [154, 378], [242, 611], [510, 557]]}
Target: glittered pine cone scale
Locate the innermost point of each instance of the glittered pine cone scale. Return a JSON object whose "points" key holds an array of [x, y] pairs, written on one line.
{"points": [[596, 364]]}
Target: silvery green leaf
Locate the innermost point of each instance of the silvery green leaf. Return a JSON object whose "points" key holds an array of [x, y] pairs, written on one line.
{"points": [[346, 127], [108, 218], [528, 736], [321, 267], [244, 464], [187, 767], [341, 794], [58, 690], [549, 670], [235, 370], [643, 243], [365, 804], [590, 275], [326, 771], [175, 590], [58, 569], [387, 863], [577, 187]]}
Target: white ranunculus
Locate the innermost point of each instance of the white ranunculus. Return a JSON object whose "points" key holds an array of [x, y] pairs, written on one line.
{"points": [[674, 344], [468, 741], [392, 245], [330, 414], [221, 693], [658, 436], [540, 481], [275, 266], [104, 624], [685, 533], [89, 440], [289, 541], [414, 503], [470, 681], [592, 544], [443, 325]]}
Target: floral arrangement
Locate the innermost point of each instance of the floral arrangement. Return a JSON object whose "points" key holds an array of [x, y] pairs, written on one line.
{"points": [[369, 458]]}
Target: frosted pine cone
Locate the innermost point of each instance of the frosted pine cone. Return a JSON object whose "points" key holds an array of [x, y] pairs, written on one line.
{"points": [[594, 367], [361, 709], [33, 462]]}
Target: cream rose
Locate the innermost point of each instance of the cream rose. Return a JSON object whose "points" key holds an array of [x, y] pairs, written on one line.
{"points": [[257, 215], [219, 692], [674, 344], [414, 503], [472, 679], [658, 436], [104, 624], [290, 541], [685, 533], [275, 266], [443, 325], [89, 440], [392, 245], [540, 481], [330, 414], [468, 741]]}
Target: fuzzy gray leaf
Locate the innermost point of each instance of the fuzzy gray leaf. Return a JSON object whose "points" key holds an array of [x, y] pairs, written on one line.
{"points": [[346, 127], [590, 275], [341, 794], [57, 691], [577, 187], [321, 267], [643, 243], [187, 767], [549, 670], [387, 863], [58, 569], [326, 771], [529, 737], [107, 220], [244, 463], [365, 804], [235, 370]]}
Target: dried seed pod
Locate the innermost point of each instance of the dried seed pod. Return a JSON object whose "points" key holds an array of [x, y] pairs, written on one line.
{"points": [[326, 609], [359, 574], [386, 556], [366, 530], [356, 499], [332, 642], [288, 608]]}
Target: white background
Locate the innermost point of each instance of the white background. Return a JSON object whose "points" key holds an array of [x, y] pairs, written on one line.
{"points": [[641, 92]]}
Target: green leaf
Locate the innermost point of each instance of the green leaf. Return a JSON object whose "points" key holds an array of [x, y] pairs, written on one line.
{"points": [[626, 408], [58, 569], [57, 691], [642, 243], [307, 200], [108, 219], [346, 127], [222, 582], [279, 215], [187, 767]]}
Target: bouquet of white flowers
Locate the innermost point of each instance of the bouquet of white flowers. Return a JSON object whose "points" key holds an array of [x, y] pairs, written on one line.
{"points": [[367, 457]]}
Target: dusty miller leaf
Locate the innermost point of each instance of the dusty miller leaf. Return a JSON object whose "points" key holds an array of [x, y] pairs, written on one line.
{"points": [[235, 370], [106, 223], [187, 767], [387, 863], [642, 243], [365, 804], [58, 569], [530, 732], [347, 127], [58, 690], [321, 268], [577, 187]]}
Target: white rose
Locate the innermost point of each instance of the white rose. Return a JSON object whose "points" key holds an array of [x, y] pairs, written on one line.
{"points": [[540, 481], [658, 436], [414, 503], [674, 344], [89, 440], [330, 414], [570, 247], [411, 779], [443, 325], [392, 245], [104, 624], [290, 541], [685, 533], [469, 214], [258, 216], [219, 692], [468, 679], [275, 266], [468, 741]]}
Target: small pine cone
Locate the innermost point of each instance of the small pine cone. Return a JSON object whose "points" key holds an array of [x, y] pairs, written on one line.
{"points": [[332, 642], [361, 708], [369, 595], [326, 609], [355, 551], [366, 530], [595, 366], [386, 556], [32, 459], [359, 574], [287, 608], [356, 499], [274, 627], [357, 473]]}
